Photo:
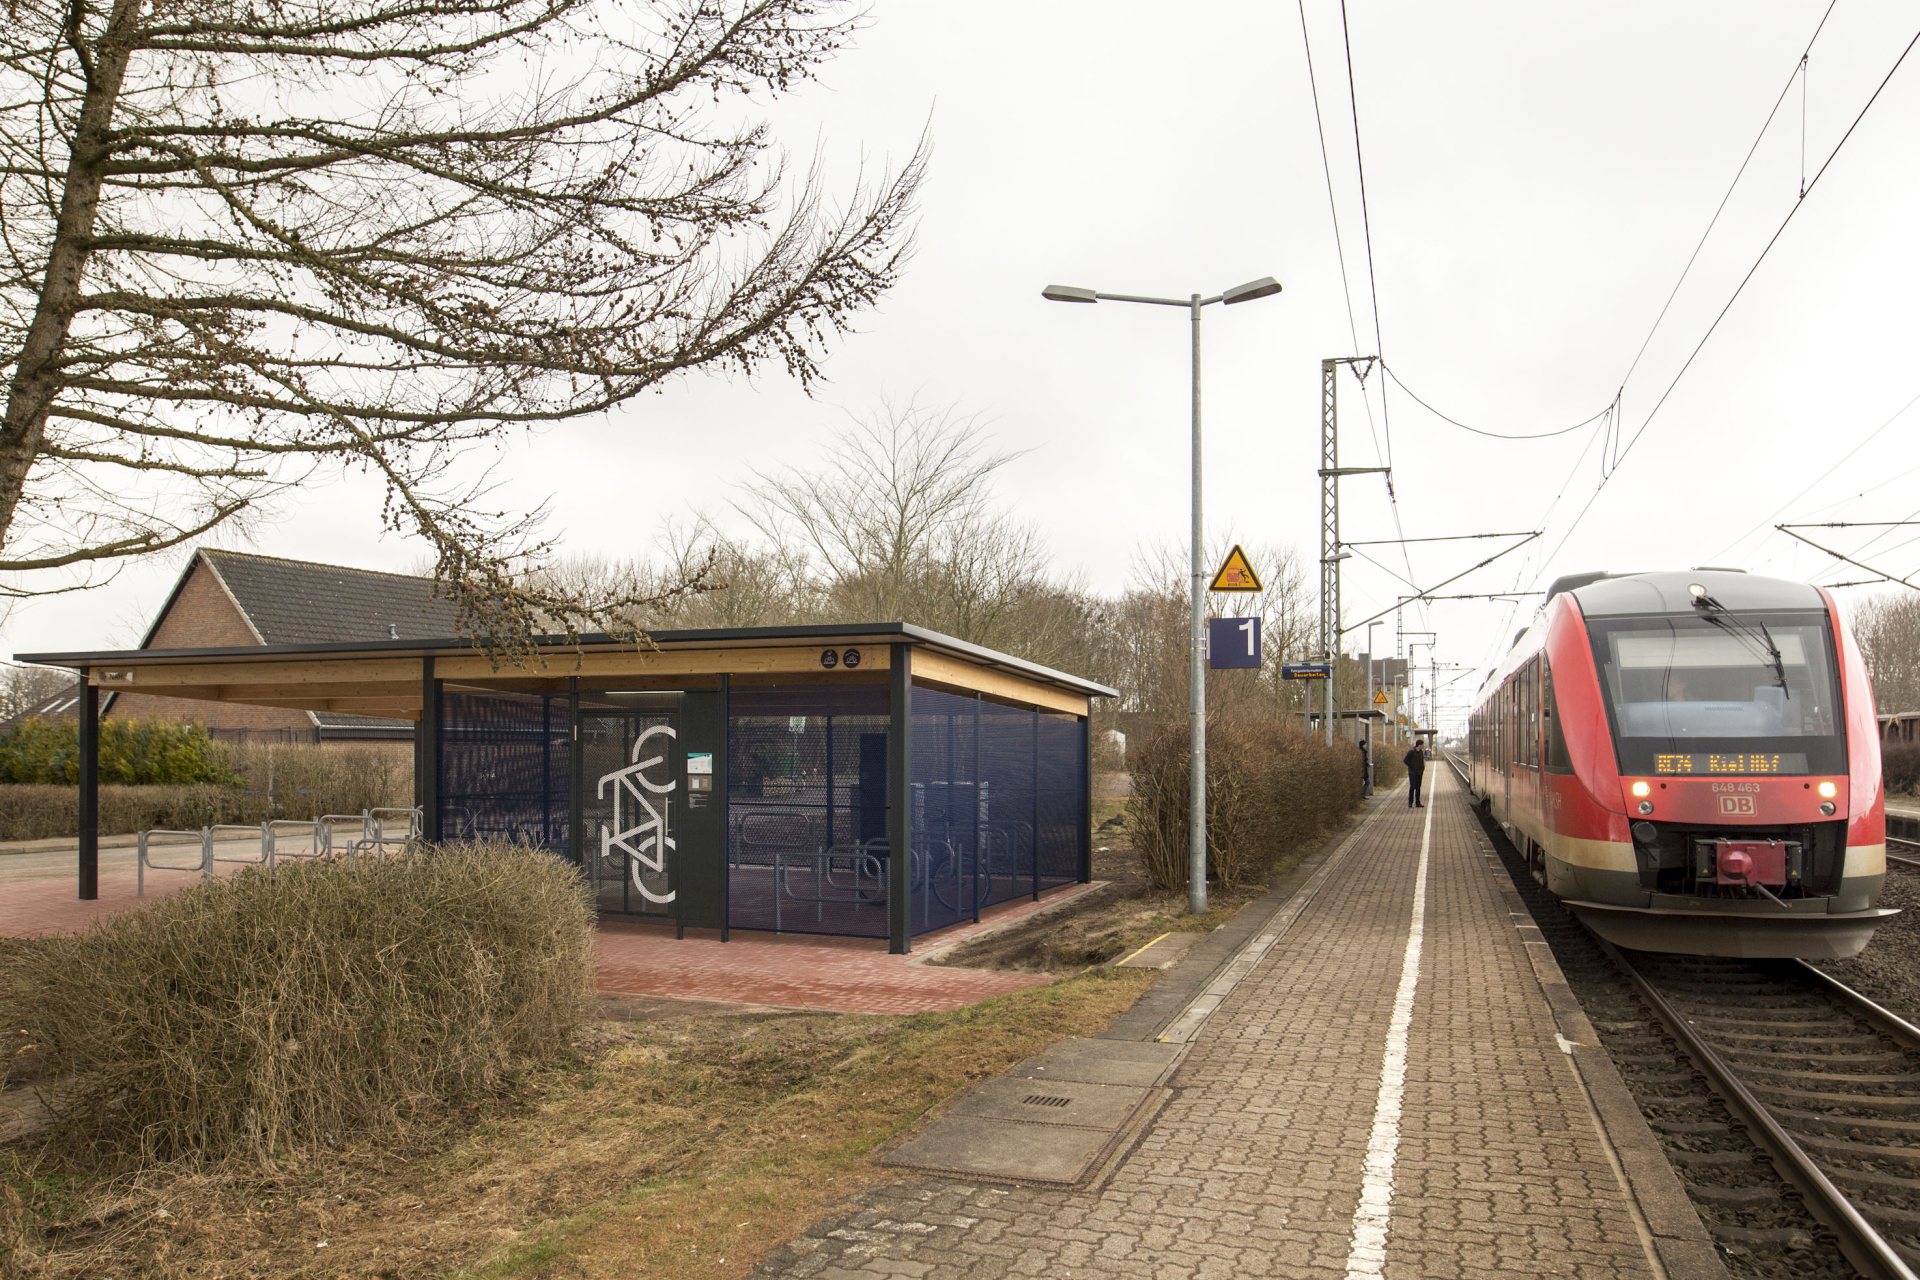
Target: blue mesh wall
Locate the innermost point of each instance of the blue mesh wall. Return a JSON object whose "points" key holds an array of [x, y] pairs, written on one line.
{"points": [[999, 796], [1062, 784], [503, 768], [949, 811], [807, 809]]}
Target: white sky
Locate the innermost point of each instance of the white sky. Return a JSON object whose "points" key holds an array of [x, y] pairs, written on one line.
{"points": [[1537, 177]]}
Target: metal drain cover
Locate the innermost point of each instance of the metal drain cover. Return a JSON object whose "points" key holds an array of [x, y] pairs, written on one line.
{"points": [[1042, 1100]]}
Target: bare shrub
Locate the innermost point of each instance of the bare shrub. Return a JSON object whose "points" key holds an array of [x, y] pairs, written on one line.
{"points": [[1269, 790], [271, 1013], [1900, 766], [305, 780]]}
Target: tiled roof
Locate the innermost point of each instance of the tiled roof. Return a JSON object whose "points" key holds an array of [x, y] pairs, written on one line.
{"points": [[298, 602], [59, 706]]}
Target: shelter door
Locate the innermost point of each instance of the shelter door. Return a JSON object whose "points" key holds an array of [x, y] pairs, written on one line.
{"points": [[630, 803]]}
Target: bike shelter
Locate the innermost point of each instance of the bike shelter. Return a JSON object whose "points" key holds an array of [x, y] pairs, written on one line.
{"points": [[878, 781]]}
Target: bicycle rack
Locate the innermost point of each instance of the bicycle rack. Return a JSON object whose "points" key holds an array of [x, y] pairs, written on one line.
{"points": [[311, 834], [264, 858], [381, 830], [861, 860], [143, 861]]}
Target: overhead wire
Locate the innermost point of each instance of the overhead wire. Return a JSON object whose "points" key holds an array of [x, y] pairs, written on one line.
{"points": [[1413, 395], [1373, 295], [1871, 436], [1798, 204]]}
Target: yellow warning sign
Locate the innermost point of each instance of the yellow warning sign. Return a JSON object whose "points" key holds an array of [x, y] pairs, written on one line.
{"points": [[1380, 698], [1235, 574]]}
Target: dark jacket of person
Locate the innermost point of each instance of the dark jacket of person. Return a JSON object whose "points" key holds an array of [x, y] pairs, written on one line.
{"points": [[1416, 762]]}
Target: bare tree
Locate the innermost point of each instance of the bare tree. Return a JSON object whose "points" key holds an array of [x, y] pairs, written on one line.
{"points": [[1888, 629], [242, 243], [899, 522], [24, 687]]}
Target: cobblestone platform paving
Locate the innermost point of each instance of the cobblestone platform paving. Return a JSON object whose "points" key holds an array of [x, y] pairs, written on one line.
{"points": [[1255, 1166]]}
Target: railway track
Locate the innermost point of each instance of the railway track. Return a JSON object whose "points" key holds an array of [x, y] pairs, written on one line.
{"points": [[1903, 852], [1825, 1082]]}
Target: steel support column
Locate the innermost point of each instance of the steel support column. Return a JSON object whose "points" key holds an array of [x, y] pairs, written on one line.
{"points": [[1329, 534], [426, 778], [900, 800], [89, 712]]}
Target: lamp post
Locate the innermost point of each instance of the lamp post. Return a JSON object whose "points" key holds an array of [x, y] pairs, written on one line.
{"points": [[1264, 287]]}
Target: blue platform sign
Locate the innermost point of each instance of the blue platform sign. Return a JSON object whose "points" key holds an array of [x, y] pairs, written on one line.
{"points": [[1306, 671], [1233, 643]]}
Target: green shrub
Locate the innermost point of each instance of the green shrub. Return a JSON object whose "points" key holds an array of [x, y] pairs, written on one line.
{"points": [[132, 753], [268, 1013], [1900, 766], [1269, 790]]}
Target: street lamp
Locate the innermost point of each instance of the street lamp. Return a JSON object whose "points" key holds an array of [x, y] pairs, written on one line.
{"points": [[1264, 287]]}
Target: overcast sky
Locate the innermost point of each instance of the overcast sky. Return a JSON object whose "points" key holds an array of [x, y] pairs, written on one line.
{"points": [[1537, 178]]}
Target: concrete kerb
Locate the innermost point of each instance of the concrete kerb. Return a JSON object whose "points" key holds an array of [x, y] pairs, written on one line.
{"points": [[1675, 1236]]}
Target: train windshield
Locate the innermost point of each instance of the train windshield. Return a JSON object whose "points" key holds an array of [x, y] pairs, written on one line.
{"points": [[1722, 693]]}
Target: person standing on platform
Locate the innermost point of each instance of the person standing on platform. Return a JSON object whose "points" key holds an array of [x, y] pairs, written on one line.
{"points": [[1366, 771], [1416, 762]]}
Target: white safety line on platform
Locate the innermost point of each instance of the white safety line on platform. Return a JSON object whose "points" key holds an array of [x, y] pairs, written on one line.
{"points": [[1367, 1252]]}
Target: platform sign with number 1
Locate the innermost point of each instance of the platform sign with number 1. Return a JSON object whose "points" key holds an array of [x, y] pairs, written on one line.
{"points": [[1233, 643]]}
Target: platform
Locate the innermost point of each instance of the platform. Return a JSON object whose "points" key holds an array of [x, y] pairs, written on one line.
{"points": [[1375, 1078]]}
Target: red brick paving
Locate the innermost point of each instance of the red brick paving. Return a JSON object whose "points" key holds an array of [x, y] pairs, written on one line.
{"points": [[849, 975]]}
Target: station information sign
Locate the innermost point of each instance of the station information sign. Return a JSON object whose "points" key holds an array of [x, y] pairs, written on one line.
{"points": [[1720, 763]]}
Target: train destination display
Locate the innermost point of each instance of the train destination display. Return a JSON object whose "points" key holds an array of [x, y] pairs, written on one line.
{"points": [[1730, 762]]}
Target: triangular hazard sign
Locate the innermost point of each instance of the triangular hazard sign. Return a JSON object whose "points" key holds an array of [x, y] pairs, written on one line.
{"points": [[1380, 698], [1235, 573]]}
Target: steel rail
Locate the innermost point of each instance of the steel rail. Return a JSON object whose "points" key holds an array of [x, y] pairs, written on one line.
{"points": [[1863, 1245], [1911, 858]]}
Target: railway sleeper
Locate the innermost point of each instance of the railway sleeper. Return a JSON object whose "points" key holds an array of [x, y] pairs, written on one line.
{"points": [[1823, 1122], [1900, 1080], [1746, 1056], [1840, 1149], [1844, 1176], [1881, 1103], [1759, 1021]]}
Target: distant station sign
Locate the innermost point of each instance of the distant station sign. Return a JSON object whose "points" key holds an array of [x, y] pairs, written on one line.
{"points": [[1306, 671], [1235, 573], [1233, 643]]}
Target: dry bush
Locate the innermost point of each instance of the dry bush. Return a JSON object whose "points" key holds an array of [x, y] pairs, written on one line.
{"points": [[1900, 766], [1389, 766], [52, 812], [305, 780], [279, 781], [271, 1013], [1269, 790]]}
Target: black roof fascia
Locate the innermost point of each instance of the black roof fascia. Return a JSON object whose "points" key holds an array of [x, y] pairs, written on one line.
{"points": [[881, 633]]}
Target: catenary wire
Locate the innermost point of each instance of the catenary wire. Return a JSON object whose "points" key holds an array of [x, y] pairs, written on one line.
{"points": [[1497, 435], [1734, 297]]}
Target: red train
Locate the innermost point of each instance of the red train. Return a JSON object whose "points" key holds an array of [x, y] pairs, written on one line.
{"points": [[1690, 761]]}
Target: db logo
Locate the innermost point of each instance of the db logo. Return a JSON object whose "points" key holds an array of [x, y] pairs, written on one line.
{"points": [[1736, 806]]}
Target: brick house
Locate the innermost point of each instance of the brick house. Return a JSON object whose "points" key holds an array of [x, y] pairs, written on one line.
{"points": [[228, 598]]}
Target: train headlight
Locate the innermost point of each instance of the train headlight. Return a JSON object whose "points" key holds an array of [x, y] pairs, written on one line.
{"points": [[1642, 790], [1827, 790], [1826, 807], [1646, 806]]}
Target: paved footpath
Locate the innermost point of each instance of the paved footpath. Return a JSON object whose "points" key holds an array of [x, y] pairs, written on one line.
{"points": [[1356, 1106]]}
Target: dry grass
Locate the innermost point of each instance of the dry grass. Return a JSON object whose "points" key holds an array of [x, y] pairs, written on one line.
{"points": [[274, 1013], [684, 1144]]}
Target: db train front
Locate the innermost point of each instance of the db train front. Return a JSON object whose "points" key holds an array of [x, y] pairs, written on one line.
{"points": [[1691, 763]]}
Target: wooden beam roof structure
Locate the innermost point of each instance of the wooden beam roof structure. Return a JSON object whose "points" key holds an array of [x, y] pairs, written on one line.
{"points": [[387, 678]]}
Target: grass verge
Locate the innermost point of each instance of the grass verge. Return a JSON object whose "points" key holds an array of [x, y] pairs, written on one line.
{"points": [[685, 1144]]}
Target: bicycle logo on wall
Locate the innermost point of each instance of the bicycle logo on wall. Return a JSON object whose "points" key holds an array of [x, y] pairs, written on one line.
{"points": [[647, 842]]}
